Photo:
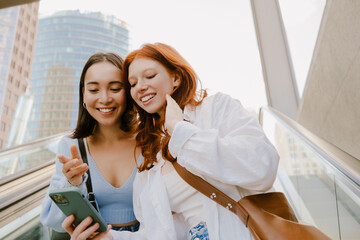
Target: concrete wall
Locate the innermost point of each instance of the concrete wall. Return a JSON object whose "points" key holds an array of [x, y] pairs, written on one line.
{"points": [[330, 106]]}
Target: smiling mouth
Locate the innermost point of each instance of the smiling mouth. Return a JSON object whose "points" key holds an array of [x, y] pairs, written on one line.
{"points": [[147, 98], [106, 110]]}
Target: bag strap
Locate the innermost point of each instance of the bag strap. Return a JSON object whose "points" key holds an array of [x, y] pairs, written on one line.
{"points": [[211, 192], [91, 194]]}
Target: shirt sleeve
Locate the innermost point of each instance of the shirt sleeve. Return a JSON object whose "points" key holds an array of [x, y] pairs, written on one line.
{"points": [[51, 216], [226, 143]]}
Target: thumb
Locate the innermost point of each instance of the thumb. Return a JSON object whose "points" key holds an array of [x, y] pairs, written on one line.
{"points": [[74, 152]]}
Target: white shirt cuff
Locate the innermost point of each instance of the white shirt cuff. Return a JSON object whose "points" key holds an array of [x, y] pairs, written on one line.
{"points": [[182, 132]]}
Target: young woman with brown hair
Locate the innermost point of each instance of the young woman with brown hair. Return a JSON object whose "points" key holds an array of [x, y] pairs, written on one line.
{"points": [[105, 124]]}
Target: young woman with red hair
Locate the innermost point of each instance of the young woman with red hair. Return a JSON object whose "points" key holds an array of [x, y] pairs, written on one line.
{"points": [[213, 137]]}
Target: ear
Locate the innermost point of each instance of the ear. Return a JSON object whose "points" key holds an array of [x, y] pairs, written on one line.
{"points": [[177, 80]]}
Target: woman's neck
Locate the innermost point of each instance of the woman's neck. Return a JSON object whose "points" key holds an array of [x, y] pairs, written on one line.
{"points": [[109, 134]]}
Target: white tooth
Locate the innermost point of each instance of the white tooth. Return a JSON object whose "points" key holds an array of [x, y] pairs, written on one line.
{"points": [[144, 99], [106, 109]]}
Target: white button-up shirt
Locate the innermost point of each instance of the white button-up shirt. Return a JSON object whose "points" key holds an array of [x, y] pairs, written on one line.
{"points": [[222, 143]]}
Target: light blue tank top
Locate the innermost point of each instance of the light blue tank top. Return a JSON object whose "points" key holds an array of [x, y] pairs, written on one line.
{"points": [[115, 204]]}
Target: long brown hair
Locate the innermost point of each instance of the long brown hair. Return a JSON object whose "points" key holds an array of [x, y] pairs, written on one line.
{"points": [[151, 137], [86, 123]]}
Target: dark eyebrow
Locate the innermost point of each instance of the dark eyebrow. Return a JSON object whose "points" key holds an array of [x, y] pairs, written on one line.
{"points": [[116, 82], [112, 82], [92, 83]]}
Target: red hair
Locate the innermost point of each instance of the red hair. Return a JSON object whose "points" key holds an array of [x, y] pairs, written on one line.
{"points": [[151, 137]]}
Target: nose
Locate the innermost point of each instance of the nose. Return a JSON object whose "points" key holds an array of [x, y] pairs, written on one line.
{"points": [[105, 97], [142, 85]]}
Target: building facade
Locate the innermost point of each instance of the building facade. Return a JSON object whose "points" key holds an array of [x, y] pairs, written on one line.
{"points": [[65, 41], [18, 27]]}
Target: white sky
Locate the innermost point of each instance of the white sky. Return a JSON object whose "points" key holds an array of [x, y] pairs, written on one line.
{"points": [[216, 37]]}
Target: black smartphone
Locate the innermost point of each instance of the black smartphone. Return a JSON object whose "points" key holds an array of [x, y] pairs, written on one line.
{"points": [[72, 201]]}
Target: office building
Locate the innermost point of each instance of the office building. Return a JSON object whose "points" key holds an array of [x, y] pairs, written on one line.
{"points": [[65, 41], [18, 27]]}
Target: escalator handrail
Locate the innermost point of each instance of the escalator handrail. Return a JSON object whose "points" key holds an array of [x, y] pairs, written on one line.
{"points": [[32, 144], [341, 161], [22, 173]]}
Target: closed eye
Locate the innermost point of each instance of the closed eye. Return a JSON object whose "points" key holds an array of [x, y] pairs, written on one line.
{"points": [[151, 76], [115, 89]]}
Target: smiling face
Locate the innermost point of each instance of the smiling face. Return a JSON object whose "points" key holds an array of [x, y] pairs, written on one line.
{"points": [[150, 82], [104, 93]]}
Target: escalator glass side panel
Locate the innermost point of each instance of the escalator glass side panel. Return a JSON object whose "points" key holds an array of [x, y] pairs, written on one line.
{"points": [[27, 156], [320, 194]]}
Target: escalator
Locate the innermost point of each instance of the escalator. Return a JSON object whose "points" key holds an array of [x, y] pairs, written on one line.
{"points": [[321, 182], [25, 173]]}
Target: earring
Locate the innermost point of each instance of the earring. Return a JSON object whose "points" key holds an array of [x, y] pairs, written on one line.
{"points": [[84, 105]]}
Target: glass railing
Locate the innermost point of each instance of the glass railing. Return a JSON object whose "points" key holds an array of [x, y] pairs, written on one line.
{"points": [[25, 176], [321, 181], [18, 159]]}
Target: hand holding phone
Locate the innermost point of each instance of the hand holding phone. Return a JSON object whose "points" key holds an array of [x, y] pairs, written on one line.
{"points": [[71, 201]]}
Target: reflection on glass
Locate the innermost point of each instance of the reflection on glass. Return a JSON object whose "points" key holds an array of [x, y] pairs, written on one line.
{"points": [[28, 156], [319, 193]]}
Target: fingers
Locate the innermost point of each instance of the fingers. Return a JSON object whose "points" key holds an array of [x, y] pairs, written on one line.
{"points": [[170, 99], [63, 159], [87, 232], [173, 114], [74, 152], [73, 169], [104, 235], [83, 231], [67, 224]]}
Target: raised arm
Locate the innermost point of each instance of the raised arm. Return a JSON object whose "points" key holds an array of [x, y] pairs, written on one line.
{"points": [[225, 142], [51, 216]]}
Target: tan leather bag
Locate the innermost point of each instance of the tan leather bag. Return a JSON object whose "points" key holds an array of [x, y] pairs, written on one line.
{"points": [[268, 216]]}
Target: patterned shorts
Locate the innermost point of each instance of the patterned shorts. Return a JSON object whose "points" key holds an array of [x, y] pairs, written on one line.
{"points": [[199, 232]]}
